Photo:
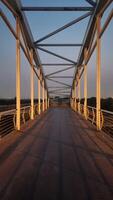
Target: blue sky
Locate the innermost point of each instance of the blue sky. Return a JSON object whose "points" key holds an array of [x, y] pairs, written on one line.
{"points": [[41, 24]]}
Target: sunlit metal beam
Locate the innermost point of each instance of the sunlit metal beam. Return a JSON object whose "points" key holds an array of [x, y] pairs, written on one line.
{"points": [[32, 86], [18, 87]]}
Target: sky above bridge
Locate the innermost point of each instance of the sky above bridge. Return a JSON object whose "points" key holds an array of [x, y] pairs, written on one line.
{"points": [[42, 23]]}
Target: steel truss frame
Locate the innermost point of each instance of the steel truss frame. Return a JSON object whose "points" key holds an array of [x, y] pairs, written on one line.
{"points": [[95, 11]]}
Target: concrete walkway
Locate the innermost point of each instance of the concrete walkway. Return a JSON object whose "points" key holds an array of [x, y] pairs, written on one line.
{"points": [[59, 156]]}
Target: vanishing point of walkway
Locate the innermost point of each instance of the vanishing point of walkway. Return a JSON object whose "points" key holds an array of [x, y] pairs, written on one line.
{"points": [[58, 157]]}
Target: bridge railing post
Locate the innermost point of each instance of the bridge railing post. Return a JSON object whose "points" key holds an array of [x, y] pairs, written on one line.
{"points": [[32, 85], [18, 74], [98, 76]]}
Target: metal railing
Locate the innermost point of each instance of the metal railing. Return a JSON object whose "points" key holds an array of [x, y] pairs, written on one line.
{"points": [[8, 118], [7, 122], [106, 117]]}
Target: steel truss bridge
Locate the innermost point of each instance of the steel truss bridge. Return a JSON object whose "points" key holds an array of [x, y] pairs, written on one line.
{"points": [[74, 140]]}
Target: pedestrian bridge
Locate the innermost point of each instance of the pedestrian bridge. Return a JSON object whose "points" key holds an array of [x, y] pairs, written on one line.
{"points": [[51, 151]]}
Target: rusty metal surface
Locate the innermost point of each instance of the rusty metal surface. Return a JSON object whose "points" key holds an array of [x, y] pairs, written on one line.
{"points": [[58, 157]]}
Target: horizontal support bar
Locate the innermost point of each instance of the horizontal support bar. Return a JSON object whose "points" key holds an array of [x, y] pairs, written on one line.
{"points": [[61, 90], [58, 45], [31, 8], [57, 64], [61, 76], [60, 93], [56, 87]]}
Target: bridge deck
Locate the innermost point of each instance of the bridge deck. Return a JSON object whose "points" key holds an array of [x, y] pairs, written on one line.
{"points": [[58, 157]]}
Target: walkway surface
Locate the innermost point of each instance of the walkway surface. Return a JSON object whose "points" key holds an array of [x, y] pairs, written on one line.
{"points": [[58, 157]]}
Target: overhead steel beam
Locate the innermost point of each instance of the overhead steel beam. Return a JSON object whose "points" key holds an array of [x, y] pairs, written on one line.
{"points": [[57, 90], [56, 72], [56, 64], [66, 87], [10, 7], [64, 27], [61, 76], [58, 56], [31, 8], [25, 50], [108, 20], [110, 16], [58, 45], [15, 7], [60, 93], [59, 82], [92, 3], [101, 6]]}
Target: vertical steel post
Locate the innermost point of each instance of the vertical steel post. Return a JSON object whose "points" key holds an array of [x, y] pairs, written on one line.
{"points": [[98, 81], [17, 75], [39, 91], [79, 92], [85, 84], [75, 95], [43, 96], [72, 99], [32, 85], [48, 102], [45, 99]]}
